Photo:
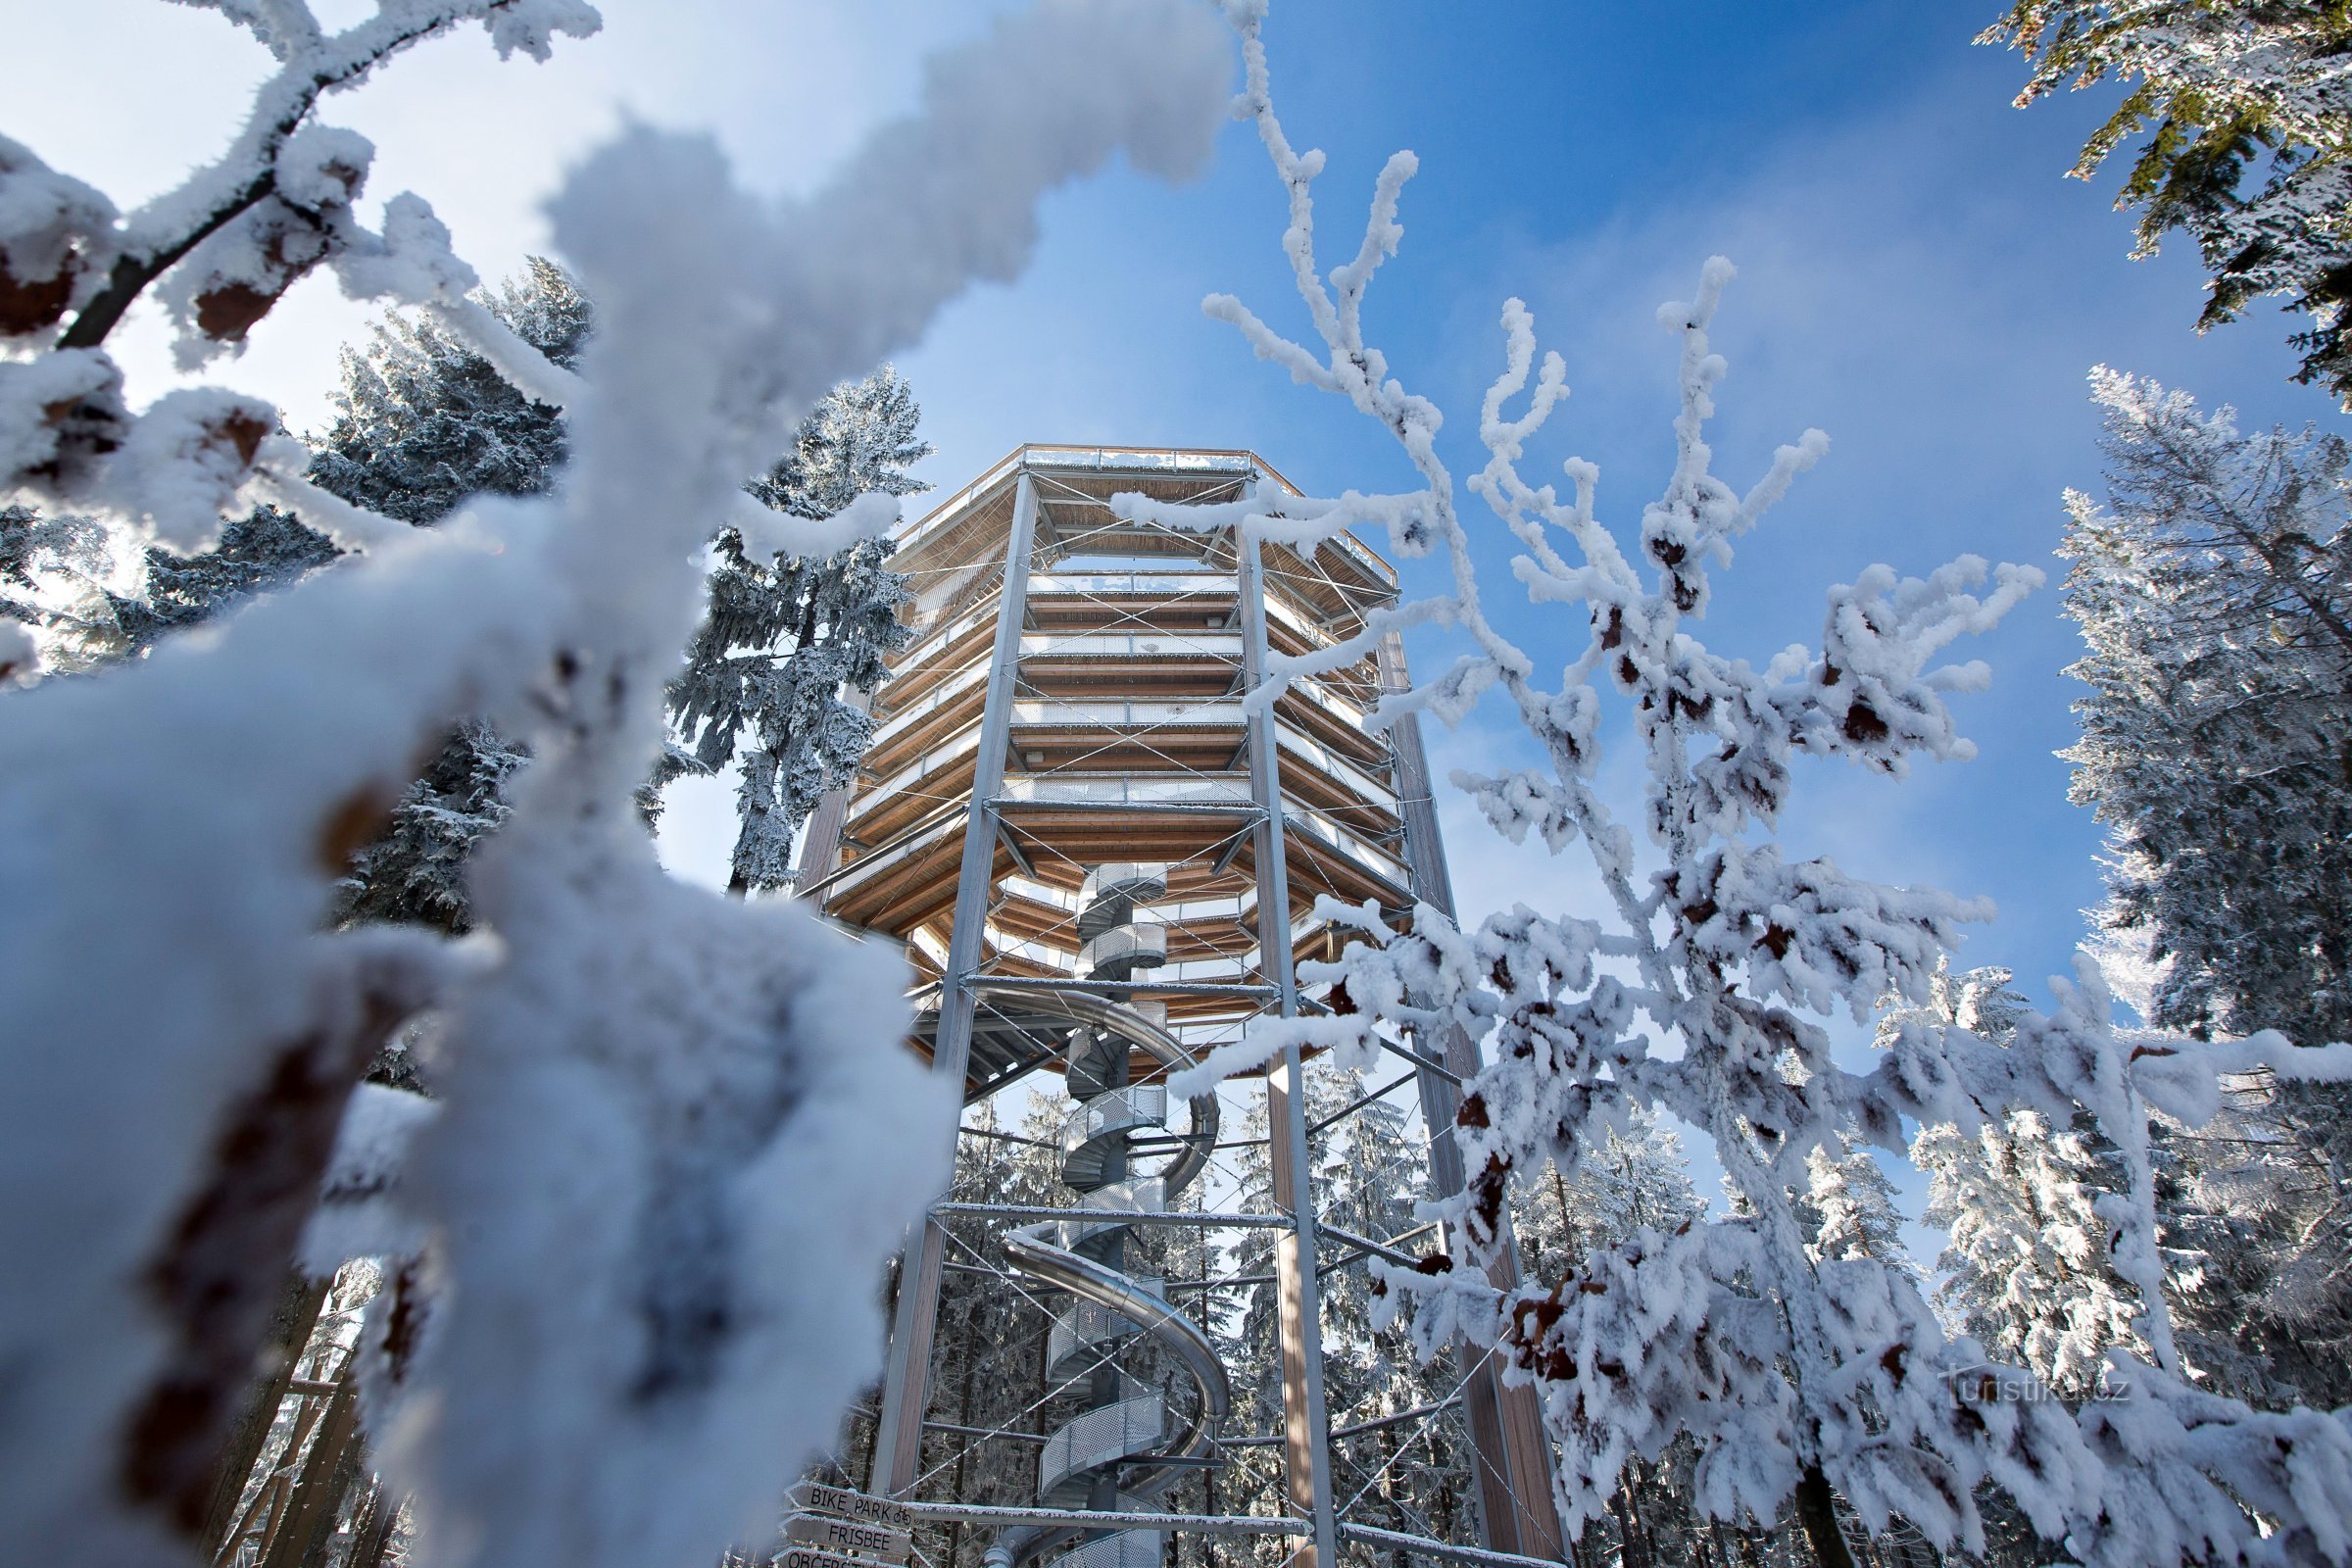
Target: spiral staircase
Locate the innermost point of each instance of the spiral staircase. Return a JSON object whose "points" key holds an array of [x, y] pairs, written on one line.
{"points": [[1126, 1447]]}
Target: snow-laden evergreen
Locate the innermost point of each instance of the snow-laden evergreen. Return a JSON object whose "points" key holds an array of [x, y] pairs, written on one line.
{"points": [[424, 424], [1702, 995], [788, 636], [1850, 1207], [2024, 1271], [2247, 106], [1400, 1447], [2213, 589], [1638, 1179], [653, 1202], [425, 421]]}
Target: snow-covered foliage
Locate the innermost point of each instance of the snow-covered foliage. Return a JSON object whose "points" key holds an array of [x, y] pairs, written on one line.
{"points": [[65, 582], [1850, 1207], [260, 553], [220, 250], [789, 633], [2247, 106], [1703, 996], [2025, 1272], [2214, 590], [653, 1206], [1639, 1178], [425, 420]]}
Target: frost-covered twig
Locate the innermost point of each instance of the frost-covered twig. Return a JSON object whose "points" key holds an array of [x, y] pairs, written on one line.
{"points": [[651, 1211], [158, 235], [1796, 1375]]}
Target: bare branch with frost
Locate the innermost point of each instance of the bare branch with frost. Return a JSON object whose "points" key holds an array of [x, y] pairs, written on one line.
{"points": [[1795, 1376]]}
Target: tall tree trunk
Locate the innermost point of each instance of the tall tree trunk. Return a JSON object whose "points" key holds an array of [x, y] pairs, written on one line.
{"points": [[371, 1537], [1817, 1509], [289, 1332], [311, 1513]]}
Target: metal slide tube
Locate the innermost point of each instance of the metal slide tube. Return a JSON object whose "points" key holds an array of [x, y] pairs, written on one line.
{"points": [[1124, 1449]]}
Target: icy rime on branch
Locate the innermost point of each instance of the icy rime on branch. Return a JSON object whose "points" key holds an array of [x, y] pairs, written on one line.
{"points": [[649, 1243], [1794, 1376]]}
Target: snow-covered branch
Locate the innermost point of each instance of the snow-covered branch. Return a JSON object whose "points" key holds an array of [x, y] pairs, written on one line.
{"points": [[1799, 1374], [659, 1097]]}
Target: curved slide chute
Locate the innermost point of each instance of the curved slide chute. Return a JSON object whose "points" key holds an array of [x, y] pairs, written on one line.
{"points": [[1127, 1448]]}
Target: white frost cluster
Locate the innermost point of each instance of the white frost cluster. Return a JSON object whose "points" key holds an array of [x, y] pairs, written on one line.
{"points": [[1799, 1360], [649, 1214]]}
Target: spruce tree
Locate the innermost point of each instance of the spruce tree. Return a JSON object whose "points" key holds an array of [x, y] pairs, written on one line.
{"points": [[2214, 591], [2023, 1270], [257, 554], [59, 579], [1849, 1204], [2247, 111], [764, 677], [422, 423]]}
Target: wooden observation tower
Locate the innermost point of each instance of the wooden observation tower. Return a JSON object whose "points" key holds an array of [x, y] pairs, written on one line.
{"points": [[1103, 861]]}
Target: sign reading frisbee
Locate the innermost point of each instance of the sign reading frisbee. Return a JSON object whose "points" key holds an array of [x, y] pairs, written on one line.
{"points": [[814, 1497], [847, 1534]]}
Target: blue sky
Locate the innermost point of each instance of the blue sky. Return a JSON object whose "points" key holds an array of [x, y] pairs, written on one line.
{"points": [[1917, 279]]}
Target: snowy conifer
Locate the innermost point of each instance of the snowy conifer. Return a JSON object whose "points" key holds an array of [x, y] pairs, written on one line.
{"points": [[1848, 1205], [1638, 1178], [2024, 1272], [424, 422], [267, 550], [2214, 590], [63, 579], [786, 637], [2247, 105]]}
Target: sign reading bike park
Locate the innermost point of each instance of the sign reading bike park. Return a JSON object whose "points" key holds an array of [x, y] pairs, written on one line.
{"points": [[833, 1527]]}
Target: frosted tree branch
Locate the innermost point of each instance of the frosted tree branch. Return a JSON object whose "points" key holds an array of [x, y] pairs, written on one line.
{"points": [[1797, 1376], [656, 1096]]}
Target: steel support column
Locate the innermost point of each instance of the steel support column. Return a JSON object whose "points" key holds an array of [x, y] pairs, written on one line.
{"points": [[1306, 1422], [898, 1434], [1506, 1426]]}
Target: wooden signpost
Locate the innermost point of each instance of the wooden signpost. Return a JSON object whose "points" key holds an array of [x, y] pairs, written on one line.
{"points": [[833, 1527]]}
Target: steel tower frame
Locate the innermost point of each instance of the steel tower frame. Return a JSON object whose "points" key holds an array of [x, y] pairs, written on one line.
{"points": [[1055, 783]]}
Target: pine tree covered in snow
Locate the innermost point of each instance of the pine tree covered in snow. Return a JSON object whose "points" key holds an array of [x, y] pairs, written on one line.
{"points": [[991, 1336], [1848, 1206], [425, 421], [2247, 110], [2025, 1272], [1407, 1464], [787, 636], [62, 580], [1639, 1178], [266, 550], [2214, 590], [1413, 1469], [424, 424], [1797, 1379]]}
